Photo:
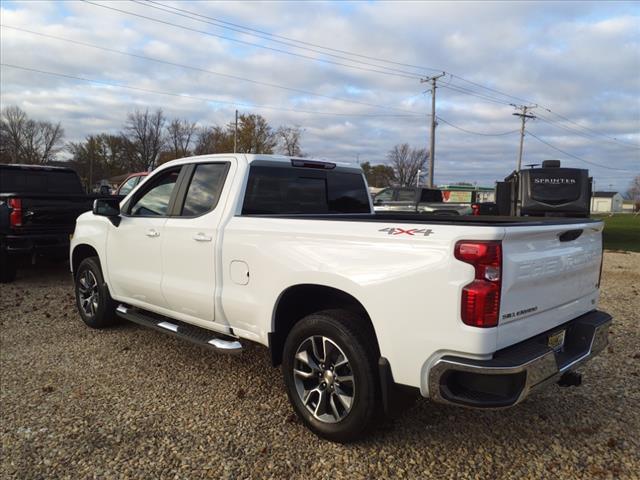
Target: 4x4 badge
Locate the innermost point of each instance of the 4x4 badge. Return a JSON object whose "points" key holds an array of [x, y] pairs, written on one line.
{"points": [[412, 231]]}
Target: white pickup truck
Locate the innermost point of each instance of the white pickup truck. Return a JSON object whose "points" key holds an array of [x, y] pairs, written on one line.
{"points": [[227, 249]]}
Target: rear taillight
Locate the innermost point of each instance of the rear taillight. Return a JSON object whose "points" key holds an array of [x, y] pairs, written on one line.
{"points": [[481, 298], [15, 217]]}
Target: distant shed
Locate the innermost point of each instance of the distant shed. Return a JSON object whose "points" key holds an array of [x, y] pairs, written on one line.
{"points": [[606, 202]]}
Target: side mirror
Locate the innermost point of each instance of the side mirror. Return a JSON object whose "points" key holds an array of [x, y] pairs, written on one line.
{"points": [[107, 207]]}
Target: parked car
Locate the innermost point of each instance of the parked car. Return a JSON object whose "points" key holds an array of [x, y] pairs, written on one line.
{"points": [[131, 182], [223, 250], [419, 199], [38, 209], [484, 208]]}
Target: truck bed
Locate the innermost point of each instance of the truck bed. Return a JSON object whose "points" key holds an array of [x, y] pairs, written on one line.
{"points": [[419, 218]]}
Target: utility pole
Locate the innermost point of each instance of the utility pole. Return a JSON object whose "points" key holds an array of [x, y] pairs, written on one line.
{"points": [[235, 135], [432, 148], [524, 116]]}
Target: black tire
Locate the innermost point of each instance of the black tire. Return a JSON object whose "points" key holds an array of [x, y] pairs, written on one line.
{"points": [[100, 312], [354, 340], [8, 268]]}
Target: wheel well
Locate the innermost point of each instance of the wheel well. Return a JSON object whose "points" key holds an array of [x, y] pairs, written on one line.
{"points": [[298, 301], [79, 254]]}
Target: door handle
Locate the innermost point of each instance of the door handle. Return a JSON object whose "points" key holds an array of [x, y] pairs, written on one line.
{"points": [[152, 233], [201, 237]]}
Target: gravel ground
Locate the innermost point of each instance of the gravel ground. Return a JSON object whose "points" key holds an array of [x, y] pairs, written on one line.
{"points": [[129, 402]]}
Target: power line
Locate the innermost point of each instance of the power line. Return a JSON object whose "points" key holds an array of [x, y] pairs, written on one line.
{"points": [[491, 89], [614, 139], [585, 134], [577, 157], [302, 42], [157, 20], [510, 132], [547, 109], [454, 87], [466, 91], [193, 97], [585, 131], [189, 67], [247, 30], [199, 18]]}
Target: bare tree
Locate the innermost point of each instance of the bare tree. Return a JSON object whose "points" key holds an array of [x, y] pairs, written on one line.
{"points": [[100, 156], [180, 135], [12, 131], [28, 141], [378, 175], [45, 140], [407, 162], [289, 140], [213, 140], [633, 192], [254, 134], [144, 131]]}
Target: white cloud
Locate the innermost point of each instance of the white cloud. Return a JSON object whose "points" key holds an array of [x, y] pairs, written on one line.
{"points": [[580, 59]]}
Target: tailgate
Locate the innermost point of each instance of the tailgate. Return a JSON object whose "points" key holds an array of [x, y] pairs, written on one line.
{"points": [[58, 213], [550, 276]]}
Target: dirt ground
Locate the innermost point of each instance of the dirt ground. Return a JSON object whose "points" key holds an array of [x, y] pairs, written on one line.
{"points": [[132, 403]]}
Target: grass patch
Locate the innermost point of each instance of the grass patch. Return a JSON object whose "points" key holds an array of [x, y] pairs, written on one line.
{"points": [[621, 232]]}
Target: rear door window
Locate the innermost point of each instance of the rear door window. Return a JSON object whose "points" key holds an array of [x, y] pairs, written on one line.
{"points": [[204, 189], [284, 190]]}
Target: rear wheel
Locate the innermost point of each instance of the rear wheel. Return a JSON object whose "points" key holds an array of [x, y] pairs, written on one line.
{"points": [[95, 305], [329, 369]]}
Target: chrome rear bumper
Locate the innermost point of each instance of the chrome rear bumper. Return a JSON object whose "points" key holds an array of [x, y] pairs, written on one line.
{"points": [[514, 372]]}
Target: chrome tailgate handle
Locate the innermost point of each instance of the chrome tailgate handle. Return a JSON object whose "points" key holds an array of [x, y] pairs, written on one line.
{"points": [[152, 232]]}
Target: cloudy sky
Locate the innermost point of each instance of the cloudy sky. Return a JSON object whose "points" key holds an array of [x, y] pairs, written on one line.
{"points": [[348, 74]]}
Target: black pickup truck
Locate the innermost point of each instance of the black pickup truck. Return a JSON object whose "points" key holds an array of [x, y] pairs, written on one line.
{"points": [[38, 210]]}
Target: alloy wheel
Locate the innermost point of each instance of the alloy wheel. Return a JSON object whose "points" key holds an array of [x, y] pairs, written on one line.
{"points": [[324, 379], [89, 295]]}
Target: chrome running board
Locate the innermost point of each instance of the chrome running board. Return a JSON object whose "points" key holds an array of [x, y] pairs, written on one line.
{"points": [[200, 336]]}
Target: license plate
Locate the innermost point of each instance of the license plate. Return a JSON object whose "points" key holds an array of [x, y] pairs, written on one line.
{"points": [[556, 340]]}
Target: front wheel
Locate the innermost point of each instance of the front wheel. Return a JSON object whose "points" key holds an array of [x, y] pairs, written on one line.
{"points": [[94, 303], [329, 370]]}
